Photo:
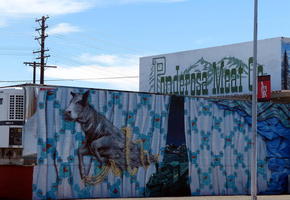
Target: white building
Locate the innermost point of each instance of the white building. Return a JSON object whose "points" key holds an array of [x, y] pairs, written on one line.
{"points": [[216, 71]]}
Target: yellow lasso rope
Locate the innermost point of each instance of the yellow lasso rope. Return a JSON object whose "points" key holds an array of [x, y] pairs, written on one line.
{"points": [[128, 135], [92, 180]]}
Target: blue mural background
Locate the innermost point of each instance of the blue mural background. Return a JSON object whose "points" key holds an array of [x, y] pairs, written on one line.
{"points": [[219, 146], [274, 128], [215, 153]]}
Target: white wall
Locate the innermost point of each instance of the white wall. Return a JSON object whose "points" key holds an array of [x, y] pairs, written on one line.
{"points": [[269, 55]]}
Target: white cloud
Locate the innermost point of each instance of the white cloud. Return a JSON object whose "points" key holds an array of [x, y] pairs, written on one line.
{"points": [[3, 22], [27, 8], [17, 9], [40, 7], [102, 66], [63, 28], [104, 59], [150, 1], [108, 59], [116, 2]]}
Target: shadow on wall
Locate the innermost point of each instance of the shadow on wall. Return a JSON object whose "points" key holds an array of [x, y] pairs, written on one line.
{"points": [[171, 178]]}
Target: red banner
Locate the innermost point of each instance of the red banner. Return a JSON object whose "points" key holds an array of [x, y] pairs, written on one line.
{"points": [[264, 88]]}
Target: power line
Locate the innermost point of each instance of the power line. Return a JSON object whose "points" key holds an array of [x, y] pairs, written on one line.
{"points": [[14, 32], [13, 54], [80, 79], [72, 42], [61, 54], [16, 49], [113, 43], [88, 43], [103, 38]]}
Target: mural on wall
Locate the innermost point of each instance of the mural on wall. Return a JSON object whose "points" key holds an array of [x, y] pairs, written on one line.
{"points": [[110, 146], [219, 146], [285, 73], [274, 129], [218, 138], [98, 143]]}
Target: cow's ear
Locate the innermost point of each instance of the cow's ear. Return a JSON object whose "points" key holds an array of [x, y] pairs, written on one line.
{"points": [[85, 99], [73, 94]]}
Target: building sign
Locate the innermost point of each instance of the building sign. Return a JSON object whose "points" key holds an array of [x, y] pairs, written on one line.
{"points": [[217, 71], [264, 88]]}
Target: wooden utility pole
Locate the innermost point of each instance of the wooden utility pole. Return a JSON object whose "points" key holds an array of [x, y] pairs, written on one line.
{"points": [[42, 57], [32, 64], [35, 65], [41, 41]]}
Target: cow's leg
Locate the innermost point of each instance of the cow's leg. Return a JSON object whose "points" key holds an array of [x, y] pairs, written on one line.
{"points": [[87, 168], [96, 145], [83, 150]]}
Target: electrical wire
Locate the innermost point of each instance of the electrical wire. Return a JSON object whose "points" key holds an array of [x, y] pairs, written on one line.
{"points": [[88, 43], [24, 49], [118, 45], [70, 60], [80, 79], [13, 54], [73, 43]]}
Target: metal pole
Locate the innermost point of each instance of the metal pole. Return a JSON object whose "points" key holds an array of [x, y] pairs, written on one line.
{"points": [[254, 109]]}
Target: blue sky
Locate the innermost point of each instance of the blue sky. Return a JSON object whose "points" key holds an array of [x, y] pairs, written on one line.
{"points": [[91, 39]]}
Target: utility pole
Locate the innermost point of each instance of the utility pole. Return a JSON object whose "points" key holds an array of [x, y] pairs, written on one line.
{"points": [[42, 57], [32, 64], [42, 51], [35, 65], [41, 41]]}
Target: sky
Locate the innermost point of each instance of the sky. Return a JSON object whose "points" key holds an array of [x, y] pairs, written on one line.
{"points": [[98, 43]]}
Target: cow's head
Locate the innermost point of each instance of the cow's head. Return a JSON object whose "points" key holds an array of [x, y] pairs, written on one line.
{"points": [[75, 109]]}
